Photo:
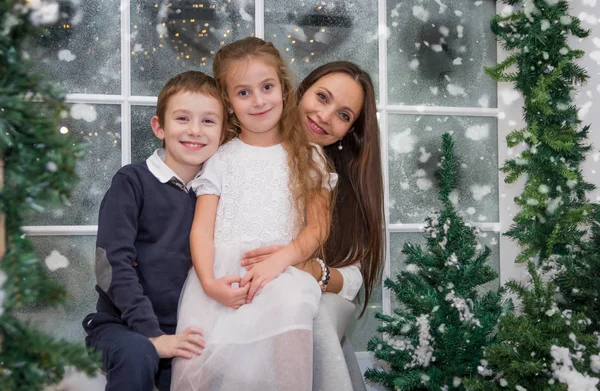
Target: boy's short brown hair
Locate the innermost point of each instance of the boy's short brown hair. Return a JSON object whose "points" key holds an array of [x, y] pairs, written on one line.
{"points": [[190, 81]]}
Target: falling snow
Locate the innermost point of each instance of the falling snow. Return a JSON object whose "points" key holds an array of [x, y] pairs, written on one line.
{"points": [[480, 191], [424, 157], [455, 90], [420, 13], [66, 55], [414, 64], [509, 95], [403, 142], [84, 111], [56, 261], [43, 12], [478, 132]]}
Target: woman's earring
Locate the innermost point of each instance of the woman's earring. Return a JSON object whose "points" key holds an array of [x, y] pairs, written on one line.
{"points": [[340, 146]]}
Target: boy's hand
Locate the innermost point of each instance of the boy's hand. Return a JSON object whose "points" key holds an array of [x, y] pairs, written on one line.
{"points": [[184, 344], [222, 291], [259, 274]]}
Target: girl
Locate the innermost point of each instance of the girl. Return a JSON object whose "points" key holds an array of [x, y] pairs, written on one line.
{"points": [[260, 188], [338, 109]]}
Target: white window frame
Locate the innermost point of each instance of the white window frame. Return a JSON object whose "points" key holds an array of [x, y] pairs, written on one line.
{"points": [[126, 101]]}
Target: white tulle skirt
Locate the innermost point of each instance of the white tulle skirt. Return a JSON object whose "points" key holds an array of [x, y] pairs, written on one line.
{"points": [[265, 345]]}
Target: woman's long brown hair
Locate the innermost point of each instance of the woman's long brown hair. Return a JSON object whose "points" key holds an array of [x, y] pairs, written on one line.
{"points": [[358, 225], [305, 164]]}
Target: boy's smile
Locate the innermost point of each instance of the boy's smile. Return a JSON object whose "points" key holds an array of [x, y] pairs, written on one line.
{"points": [[191, 131]]}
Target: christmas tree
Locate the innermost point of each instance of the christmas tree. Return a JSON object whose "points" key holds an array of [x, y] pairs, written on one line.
{"points": [[538, 346], [436, 337], [38, 167]]}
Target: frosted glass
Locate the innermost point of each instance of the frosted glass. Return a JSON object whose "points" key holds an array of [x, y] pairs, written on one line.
{"points": [[414, 151], [437, 51], [98, 127], [312, 33], [172, 36], [143, 141], [79, 280], [81, 50]]}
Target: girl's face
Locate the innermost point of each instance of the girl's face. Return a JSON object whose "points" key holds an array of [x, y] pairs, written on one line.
{"points": [[256, 97], [330, 106]]}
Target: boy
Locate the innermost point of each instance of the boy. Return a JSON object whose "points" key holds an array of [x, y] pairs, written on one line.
{"points": [[142, 247]]}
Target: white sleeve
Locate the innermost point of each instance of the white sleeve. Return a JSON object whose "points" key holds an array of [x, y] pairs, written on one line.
{"points": [[352, 281], [329, 178], [210, 179]]}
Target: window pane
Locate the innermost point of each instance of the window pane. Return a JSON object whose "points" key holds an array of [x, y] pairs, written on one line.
{"points": [[81, 51], [99, 128], [77, 277], [171, 36], [414, 151], [437, 51], [143, 141], [312, 33], [397, 259], [360, 331]]}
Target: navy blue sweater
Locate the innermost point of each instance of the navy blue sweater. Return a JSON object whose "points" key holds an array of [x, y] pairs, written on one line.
{"points": [[143, 250]]}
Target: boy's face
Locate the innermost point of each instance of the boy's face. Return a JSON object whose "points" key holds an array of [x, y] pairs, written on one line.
{"points": [[192, 129]]}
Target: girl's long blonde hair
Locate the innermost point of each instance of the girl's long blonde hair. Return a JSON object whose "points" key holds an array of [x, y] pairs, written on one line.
{"points": [[308, 168]]}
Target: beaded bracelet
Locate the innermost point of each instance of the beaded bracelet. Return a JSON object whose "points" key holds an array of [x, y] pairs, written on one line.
{"points": [[325, 275]]}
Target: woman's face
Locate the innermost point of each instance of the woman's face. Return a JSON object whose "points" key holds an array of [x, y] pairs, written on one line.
{"points": [[330, 106]]}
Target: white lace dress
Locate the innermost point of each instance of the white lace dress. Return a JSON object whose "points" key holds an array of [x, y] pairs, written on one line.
{"points": [[267, 344]]}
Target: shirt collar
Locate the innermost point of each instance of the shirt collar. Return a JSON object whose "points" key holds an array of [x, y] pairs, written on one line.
{"points": [[162, 172]]}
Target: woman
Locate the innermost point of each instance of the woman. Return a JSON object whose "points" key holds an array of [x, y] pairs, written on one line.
{"points": [[337, 103]]}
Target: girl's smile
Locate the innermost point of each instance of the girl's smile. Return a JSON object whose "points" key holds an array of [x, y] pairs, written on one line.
{"points": [[256, 98], [262, 114]]}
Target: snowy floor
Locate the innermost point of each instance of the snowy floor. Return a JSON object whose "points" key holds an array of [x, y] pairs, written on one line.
{"points": [[76, 381]]}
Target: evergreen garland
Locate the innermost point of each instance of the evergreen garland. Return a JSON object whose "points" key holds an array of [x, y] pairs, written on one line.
{"points": [[553, 204], [436, 336], [578, 278], [39, 167], [549, 342]]}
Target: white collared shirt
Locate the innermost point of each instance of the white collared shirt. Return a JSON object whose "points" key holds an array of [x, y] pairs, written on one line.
{"points": [[162, 172]]}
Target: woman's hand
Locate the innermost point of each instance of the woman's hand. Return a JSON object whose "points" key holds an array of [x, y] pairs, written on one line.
{"points": [[253, 257], [260, 254], [262, 272]]}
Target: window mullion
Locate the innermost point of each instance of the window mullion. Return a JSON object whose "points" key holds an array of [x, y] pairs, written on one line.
{"points": [[383, 121], [259, 18], [125, 82]]}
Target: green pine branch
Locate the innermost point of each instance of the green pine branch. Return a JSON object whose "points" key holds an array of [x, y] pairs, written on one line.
{"points": [[579, 275], [39, 168], [555, 145]]}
